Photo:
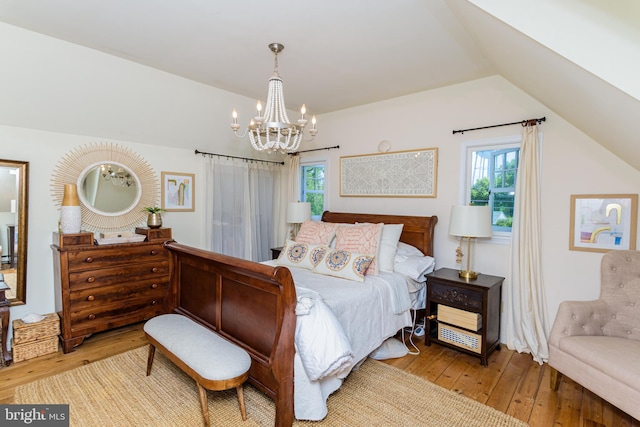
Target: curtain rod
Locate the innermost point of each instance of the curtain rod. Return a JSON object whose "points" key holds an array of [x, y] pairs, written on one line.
{"points": [[523, 123], [313, 149], [204, 153]]}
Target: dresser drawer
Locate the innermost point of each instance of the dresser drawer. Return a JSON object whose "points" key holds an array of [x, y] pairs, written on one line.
{"points": [[100, 316], [117, 256], [110, 276], [456, 296], [122, 293]]}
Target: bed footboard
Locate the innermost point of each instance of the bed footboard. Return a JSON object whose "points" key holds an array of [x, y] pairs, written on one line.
{"points": [[250, 304]]}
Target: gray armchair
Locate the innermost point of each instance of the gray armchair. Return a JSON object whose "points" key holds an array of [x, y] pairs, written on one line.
{"points": [[597, 343]]}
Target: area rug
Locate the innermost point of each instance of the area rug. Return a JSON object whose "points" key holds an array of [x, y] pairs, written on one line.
{"points": [[116, 392]]}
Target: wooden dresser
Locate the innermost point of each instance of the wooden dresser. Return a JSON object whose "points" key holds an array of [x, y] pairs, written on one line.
{"points": [[104, 287]]}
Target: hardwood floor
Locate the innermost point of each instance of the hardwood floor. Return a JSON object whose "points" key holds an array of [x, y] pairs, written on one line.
{"points": [[512, 383]]}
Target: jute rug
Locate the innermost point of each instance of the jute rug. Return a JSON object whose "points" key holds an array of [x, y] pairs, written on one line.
{"points": [[116, 392]]}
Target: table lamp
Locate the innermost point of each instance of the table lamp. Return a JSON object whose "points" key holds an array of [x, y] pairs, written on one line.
{"points": [[297, 213], [470, 222]]}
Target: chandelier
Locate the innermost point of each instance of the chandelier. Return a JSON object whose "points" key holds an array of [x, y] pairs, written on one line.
{"points": [[273, 131], [119, 177]]}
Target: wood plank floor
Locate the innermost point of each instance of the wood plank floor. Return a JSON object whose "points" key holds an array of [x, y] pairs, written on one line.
{"points": [[512, 383]]}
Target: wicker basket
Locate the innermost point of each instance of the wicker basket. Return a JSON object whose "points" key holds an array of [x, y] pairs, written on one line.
{"points": [[28, 332], [34, 349]]}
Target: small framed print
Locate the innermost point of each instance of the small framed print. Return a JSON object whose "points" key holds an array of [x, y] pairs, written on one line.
{"points": [[178, 192], [603, 222]]}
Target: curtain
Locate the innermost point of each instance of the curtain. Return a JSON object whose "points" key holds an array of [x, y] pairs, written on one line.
{"points": [[293, 187], [526, 315], [242, 198]]}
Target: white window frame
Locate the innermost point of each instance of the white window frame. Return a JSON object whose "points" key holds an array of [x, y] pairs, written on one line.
{"points": [[467, 148], [316, 162]]}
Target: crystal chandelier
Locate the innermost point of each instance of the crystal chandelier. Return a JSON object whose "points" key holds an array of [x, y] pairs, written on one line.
{"points": [[272, 131], [119, 177]]}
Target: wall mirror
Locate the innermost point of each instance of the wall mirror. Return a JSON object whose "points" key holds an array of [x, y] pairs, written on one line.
{"points": [[14, 204], [114, 184]]}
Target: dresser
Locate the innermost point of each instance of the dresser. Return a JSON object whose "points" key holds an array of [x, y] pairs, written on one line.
{"points": [[103, 287], [464, 313]]}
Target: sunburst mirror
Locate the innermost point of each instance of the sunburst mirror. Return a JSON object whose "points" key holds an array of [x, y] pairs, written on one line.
{"points": [[114, 184]]}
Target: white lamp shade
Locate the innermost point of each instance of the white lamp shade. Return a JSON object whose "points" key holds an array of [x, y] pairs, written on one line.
{"points": [[298, 212], [470, 221]]}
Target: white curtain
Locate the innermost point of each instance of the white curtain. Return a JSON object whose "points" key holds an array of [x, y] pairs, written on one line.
{"points": [[526, 313], [242, 200]]}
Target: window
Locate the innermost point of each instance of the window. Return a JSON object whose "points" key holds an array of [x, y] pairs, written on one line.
{"points": [[492, 174], [312, 187]]}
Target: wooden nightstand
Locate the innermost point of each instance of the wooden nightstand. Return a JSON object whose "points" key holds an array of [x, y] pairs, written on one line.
{"points": [[275, 252], [464, 314]]}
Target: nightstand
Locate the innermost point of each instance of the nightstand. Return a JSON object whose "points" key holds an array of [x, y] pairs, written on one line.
{"points": [[464, 314], [275, 252]]}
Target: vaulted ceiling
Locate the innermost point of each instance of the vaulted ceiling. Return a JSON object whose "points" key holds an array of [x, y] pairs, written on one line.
{"points": [[340, 54]]}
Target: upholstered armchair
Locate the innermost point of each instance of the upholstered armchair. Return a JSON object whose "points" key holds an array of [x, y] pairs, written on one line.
{"points": [[597, 343]]}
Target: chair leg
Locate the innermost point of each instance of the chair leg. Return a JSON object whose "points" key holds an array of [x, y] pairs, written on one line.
{"points": [[152, 352], [555, 378], [243, 409], [204, 404]]}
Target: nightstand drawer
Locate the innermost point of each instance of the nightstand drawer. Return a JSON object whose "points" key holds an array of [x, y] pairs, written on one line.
{"points": [[458, 296]]}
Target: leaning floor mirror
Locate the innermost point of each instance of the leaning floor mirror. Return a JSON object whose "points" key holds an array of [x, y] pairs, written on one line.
{"points": [[14, 203]]}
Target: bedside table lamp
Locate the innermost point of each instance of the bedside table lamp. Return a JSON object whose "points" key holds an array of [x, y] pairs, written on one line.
{"points": [[470, 222], [297, 213]]}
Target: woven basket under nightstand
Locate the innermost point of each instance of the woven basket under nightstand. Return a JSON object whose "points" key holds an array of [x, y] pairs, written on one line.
{"points": [[35, 339]]}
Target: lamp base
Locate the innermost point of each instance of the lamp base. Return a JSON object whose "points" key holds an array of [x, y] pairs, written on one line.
{"points": [[467, 274]]}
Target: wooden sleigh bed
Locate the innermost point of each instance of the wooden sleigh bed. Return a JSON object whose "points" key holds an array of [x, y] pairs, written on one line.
{"points": [[253, 305]]}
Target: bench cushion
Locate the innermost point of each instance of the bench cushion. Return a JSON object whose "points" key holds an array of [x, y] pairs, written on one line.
{"points": [[204, 351]]}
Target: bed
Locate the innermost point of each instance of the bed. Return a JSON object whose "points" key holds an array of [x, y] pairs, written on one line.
{"points": [[254, 305]]}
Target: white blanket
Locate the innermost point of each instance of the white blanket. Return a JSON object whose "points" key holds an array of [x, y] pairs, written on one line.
{"points": [[339, 323]]}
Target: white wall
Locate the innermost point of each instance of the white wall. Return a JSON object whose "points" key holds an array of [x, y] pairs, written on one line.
{"points": [[571, 164]]}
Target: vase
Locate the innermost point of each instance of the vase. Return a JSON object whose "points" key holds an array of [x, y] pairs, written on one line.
{"points": [[70, 213], [154, 220]]}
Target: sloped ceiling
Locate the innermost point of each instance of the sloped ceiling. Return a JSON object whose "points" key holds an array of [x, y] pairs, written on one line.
{"points": [[341, 54]]}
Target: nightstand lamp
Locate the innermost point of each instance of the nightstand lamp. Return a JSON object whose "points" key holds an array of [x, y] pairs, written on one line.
{"points": [[470, 222], [297, 213]]}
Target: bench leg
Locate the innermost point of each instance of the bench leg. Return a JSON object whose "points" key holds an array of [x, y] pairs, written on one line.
{"points": [[204, 405], [152, 352], [243, 409]]}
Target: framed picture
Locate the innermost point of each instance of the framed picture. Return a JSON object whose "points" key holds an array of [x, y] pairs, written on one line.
{"points": [[603, 222], [397, 174], [177, 191]]}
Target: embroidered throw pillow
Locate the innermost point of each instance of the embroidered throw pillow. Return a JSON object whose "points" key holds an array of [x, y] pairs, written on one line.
{"points": [[316, 233], [301, 255], [344, 264], [362, 239]]}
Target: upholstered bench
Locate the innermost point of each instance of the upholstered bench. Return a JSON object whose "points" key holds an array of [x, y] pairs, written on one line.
{"points": [[212, 361]]}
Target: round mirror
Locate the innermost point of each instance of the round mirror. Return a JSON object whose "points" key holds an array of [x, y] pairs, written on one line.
{"points": [[114, 184], [109, 188]]}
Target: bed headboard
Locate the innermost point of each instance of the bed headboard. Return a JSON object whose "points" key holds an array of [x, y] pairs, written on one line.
{"points": [[417, 230]]}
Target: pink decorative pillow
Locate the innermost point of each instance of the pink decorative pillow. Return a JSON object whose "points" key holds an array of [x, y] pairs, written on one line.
{"points": [[316, 233], [362, 239]]}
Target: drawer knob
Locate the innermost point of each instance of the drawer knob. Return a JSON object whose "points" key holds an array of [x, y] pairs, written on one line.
{"points": [[88, 259], [153, 252], [154, 286], [90, 298], [91, 279], [154, 302], [91, 316], [154, 270]]}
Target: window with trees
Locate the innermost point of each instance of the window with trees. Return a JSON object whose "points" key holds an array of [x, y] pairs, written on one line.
{"points": [[312, 187], [493, 171]]}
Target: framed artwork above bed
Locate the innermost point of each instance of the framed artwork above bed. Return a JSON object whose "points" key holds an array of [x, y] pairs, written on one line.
{"points": [[411, 173]]}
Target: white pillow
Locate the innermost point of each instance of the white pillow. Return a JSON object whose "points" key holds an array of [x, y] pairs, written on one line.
{"points": [[415, 267], [405, 251], [344, 264], [388, 246], [390, 349], [301, 255]]}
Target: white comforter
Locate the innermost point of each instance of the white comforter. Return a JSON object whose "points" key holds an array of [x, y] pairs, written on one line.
{"points": [[339, 323]]}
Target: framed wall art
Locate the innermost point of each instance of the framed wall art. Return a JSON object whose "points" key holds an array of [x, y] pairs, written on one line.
{"points": [[603, 222], [410, 173], [178, 191]]}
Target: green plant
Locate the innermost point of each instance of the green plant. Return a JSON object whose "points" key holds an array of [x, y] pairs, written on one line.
{"points": [[153, 209]]}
